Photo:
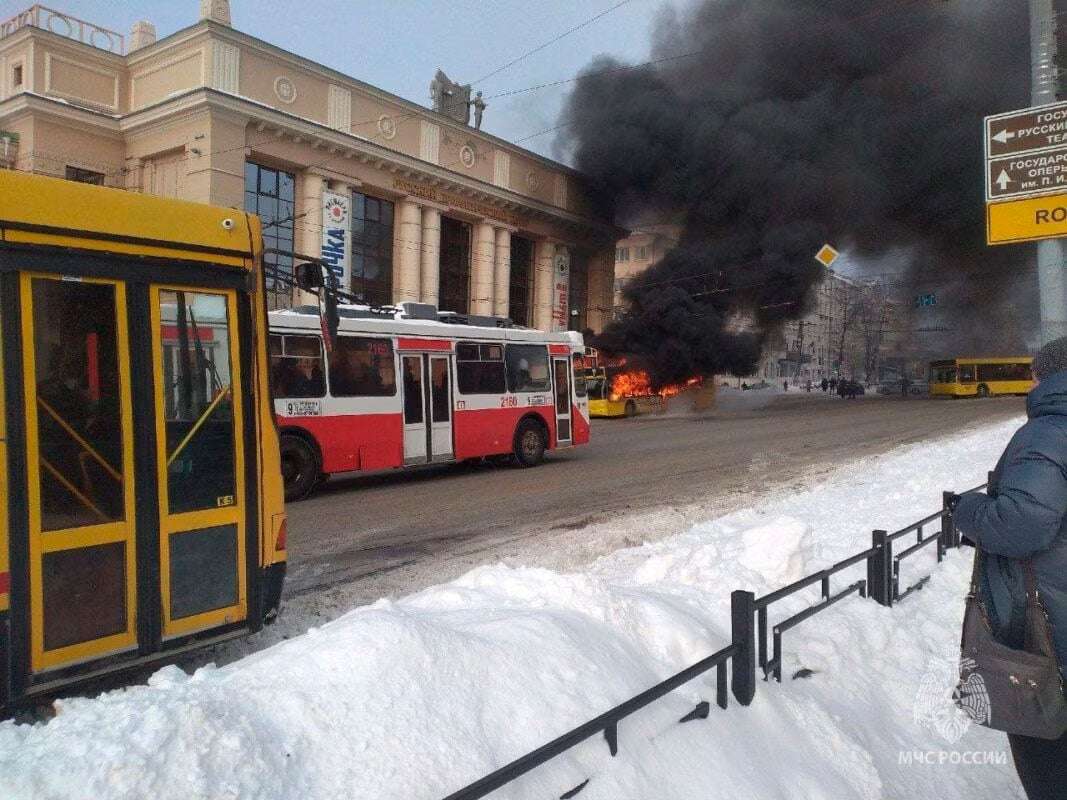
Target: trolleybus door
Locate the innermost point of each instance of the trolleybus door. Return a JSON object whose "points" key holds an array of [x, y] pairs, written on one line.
{"points": [[561, 371], [415, 428], [79, 469], [427, 408], [200, 458], [440, 404]]}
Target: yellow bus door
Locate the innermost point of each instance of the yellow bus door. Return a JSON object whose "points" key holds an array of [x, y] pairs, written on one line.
{"points": [[79, 469], [200, 458]]}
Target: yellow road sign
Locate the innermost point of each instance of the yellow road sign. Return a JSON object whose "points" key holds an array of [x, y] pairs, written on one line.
{"points": [[1026, 220], [826, 255]]}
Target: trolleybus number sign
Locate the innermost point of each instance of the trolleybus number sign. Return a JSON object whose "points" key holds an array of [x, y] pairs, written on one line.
{"points": [[303, 408]]}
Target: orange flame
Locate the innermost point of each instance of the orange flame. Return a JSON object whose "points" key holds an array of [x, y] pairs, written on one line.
{"points": [[636, 383]]}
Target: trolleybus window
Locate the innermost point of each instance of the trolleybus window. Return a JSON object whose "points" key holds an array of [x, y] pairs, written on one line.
{"points": [[442, 406], [296, 366], [362, 367], [967, 373], [412, 389], [527, 367], [198, 401], [480, 368], [579, 375]]}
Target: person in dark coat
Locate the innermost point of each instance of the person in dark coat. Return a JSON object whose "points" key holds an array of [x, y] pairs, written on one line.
{"points": [[1024, 517]]}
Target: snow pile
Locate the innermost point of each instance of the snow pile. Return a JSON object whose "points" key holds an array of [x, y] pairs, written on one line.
{"points": [[414, 698]]}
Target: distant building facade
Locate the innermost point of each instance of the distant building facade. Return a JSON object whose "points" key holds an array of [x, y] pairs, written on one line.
{"points": [[406, 203], [855, 329], [640, 250]]}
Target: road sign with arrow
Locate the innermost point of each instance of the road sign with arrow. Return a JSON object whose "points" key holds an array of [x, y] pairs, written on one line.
{"points": [[1026, 173]]}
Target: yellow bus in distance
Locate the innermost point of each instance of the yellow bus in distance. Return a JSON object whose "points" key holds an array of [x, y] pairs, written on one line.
{"points": [[981, 377]]}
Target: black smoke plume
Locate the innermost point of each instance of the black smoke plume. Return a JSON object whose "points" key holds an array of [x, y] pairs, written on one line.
{"points": [[768, 127]]}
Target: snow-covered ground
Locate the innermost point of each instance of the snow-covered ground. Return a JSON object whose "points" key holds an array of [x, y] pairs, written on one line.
{"points": [[413, 698]]}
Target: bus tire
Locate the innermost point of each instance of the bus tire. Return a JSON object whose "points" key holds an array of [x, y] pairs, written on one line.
{"points": [[983, 390], [530, 443], [631, 408], [300, 467]]}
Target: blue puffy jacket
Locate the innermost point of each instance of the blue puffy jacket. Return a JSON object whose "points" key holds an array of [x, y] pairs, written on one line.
{"points": [[1025, 517]]}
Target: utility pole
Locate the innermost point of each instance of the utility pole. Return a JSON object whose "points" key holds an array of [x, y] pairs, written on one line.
{"points": [[1044, 89]]}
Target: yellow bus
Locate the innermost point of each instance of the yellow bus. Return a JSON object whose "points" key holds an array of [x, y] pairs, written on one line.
{"points": [[981, 377], [141, 510]]}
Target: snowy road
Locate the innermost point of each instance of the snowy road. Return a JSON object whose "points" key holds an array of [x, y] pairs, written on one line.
{"points": [[397, 532]]}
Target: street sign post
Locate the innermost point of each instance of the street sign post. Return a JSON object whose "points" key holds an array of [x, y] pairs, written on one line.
{"points": [[1026, 174]]}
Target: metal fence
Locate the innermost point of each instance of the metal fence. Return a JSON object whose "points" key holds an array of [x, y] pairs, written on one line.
{"points": [[748, 649]]}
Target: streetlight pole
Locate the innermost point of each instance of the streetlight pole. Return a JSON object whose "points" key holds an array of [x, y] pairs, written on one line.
{"points": [[1044, 88]]}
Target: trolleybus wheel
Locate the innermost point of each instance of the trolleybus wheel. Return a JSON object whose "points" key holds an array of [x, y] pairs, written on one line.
{"points": [[631, 408], [983, 390], [530, 444], [300, 468]]}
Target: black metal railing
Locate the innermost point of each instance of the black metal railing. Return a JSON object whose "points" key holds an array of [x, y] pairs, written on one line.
{"points": [[749, 647], [607, 724]]}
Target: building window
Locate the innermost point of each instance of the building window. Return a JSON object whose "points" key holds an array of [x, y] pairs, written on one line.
{"points": [[85, 176], [372, 249], [270, 193], [521, 280], [622, 254], [578, 299], [455, 266], [16, 76], [642, 254]]}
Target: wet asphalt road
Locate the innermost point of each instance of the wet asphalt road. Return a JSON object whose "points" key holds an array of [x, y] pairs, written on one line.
{"points": [[358, 527]]}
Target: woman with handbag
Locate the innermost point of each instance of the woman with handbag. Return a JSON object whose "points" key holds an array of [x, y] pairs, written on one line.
{"points": [[1015, 630]]}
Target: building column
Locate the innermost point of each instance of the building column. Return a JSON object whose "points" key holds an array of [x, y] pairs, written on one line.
{"points": [[407, 251], [502, 273], [431, 255], [482, 265], [601, 289], [308, 237], [544, 280]]}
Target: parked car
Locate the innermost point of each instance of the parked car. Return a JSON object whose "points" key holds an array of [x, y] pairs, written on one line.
{"points": [[847, 387]]}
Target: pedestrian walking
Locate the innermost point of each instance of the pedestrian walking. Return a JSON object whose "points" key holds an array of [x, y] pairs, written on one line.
{"points": [[833, 385], [905, 385], [1020, 530], [825, 385]]}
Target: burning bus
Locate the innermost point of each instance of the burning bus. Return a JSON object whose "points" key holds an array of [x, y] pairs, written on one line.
{"points": [[618, 391]]}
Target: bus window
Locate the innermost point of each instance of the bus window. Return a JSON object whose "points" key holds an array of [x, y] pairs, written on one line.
{"points": [[296, 366], [78, 414], [527, 367], [1004, 372], [966, 373], [362, 367], [198, 400], [579, 376], [480, 368]]}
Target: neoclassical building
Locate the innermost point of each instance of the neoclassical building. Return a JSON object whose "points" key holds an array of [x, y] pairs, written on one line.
{"points": [[407, 203]]}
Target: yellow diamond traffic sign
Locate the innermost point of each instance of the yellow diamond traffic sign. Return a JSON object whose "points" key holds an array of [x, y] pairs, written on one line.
{"points": [[826, 255]]}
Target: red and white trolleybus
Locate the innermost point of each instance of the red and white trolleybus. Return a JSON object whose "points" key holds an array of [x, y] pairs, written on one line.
{"points": [[409, 386]]}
